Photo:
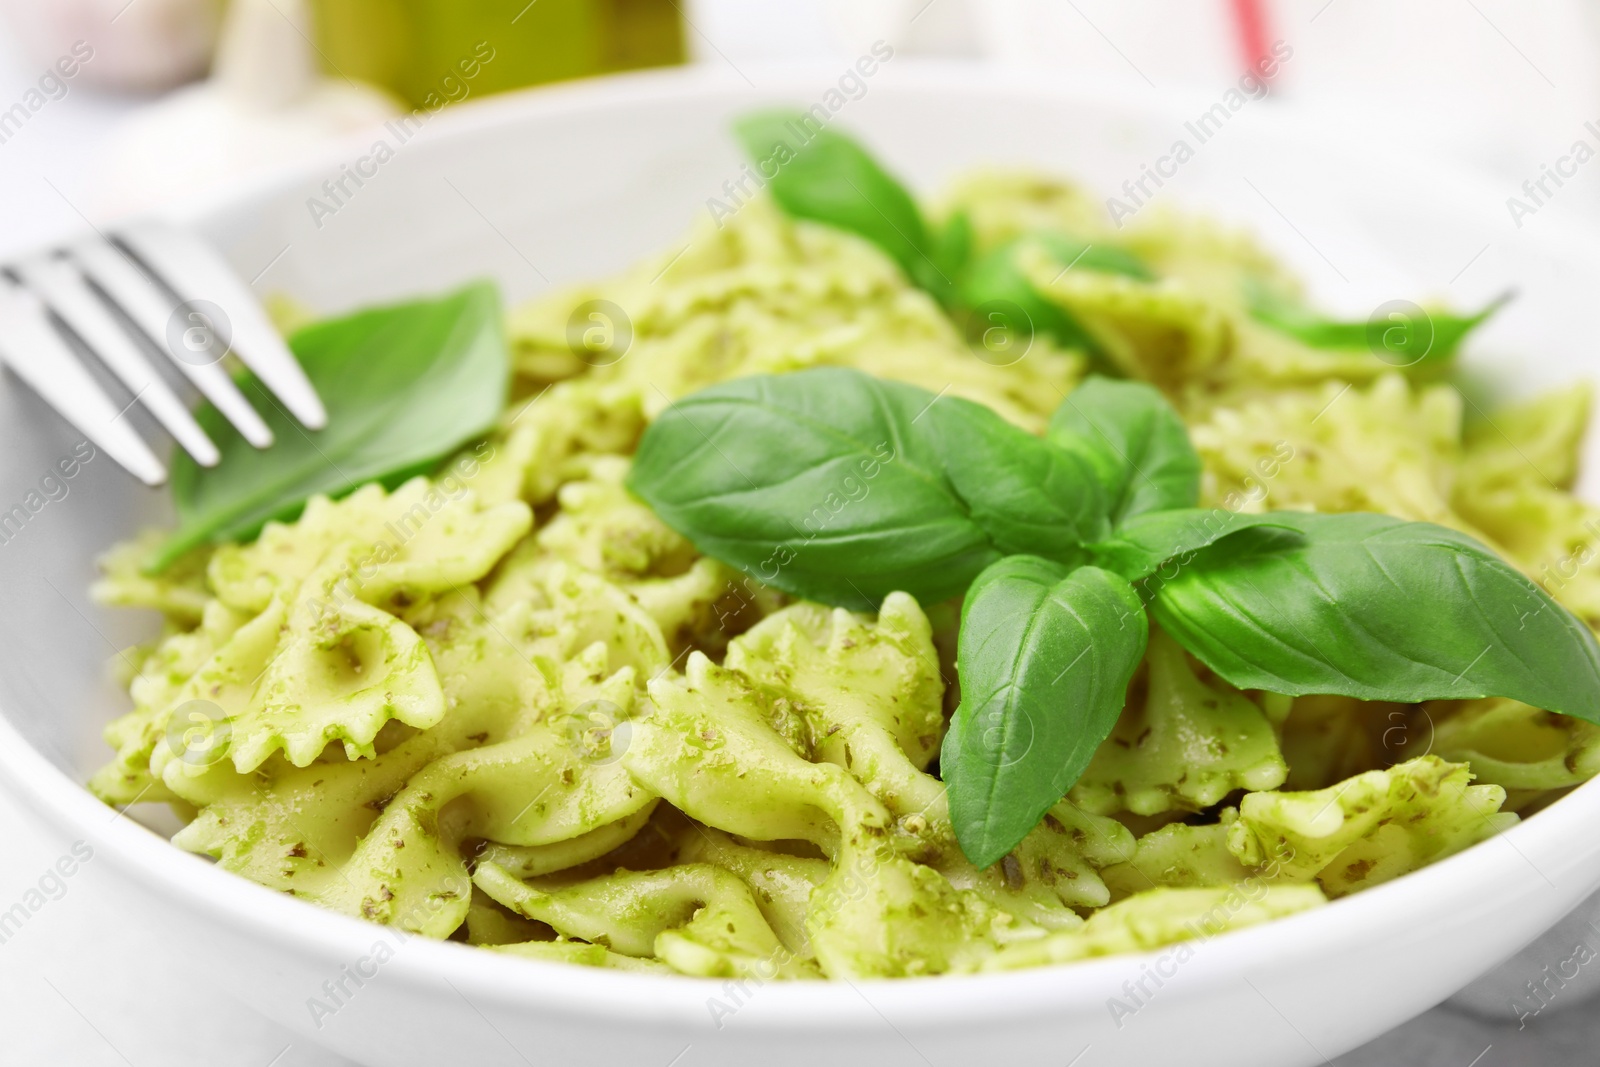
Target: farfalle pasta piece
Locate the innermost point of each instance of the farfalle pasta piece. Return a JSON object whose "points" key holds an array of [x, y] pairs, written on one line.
{"points": [[859, 680], [765, 293], [728, 752], [782, 884], [1179, 856], [554, 610], [601, 527], [533, 789], [871, 693], [1182, 744], [1162, 332], [732, 752], [697, 918], [1053, 870], [1158, 917], [723, 750], [1389, 447], [426, 537], [340, 671], [583, 953], [1509, 744], [1002, 205], [1517, 470], [551, 438], [530, 861], [158, 688], [1370, 828], [881, 915], [495, 686], [1060, 861], [179, 592], [382, 837], [334, 634], [216, 695], [1537, 440], [295, 828], [781, 295], [1550, 534]]}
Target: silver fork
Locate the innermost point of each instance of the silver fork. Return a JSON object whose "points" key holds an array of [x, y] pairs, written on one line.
{"points": [[117, 294]]}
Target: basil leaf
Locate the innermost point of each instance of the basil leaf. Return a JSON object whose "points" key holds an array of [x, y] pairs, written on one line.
{"points": [[952, 245], [996, 284], [1137, 441], [1106, 259], [1398, 332], [1380, 609], [839, 487], [1142, 545], [819, 174], [824, 483], [1029, 495], [404, 385], [1045, 658]]}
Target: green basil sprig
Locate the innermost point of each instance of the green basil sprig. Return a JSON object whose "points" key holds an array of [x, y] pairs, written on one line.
{"points": [[819, 174], [835, 486], [405, 386]]}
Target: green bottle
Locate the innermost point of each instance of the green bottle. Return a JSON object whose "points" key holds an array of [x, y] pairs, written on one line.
{"points": [[451, 49]]}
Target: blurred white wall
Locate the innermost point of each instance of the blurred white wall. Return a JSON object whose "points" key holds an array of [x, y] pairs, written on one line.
{"points": [[1501, 85]]}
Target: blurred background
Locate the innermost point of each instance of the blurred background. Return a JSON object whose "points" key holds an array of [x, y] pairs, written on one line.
{"points": [[113, 107]]}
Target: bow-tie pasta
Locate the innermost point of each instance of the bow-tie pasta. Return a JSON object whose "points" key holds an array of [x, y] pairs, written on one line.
{"points": [[518, 710]]}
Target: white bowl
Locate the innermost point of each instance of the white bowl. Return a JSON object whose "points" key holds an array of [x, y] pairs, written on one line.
{"points": [[559, 185]]}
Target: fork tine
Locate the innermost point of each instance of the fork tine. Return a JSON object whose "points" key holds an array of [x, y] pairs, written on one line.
{"points": [[193, 270], [151, 309], [66, 293], [39, 355]]}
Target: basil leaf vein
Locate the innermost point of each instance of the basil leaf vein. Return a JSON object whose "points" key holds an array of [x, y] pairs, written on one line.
{"points": [[1141, 546]]}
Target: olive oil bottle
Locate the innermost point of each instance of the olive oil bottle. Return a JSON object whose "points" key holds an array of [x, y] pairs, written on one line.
{"points": [[449, 49]]}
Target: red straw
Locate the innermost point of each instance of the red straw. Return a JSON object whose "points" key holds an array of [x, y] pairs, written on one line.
{"points": [[1250, 30]]}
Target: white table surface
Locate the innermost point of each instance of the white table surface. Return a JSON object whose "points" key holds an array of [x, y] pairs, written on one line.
{"points": [[85, 984]]}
